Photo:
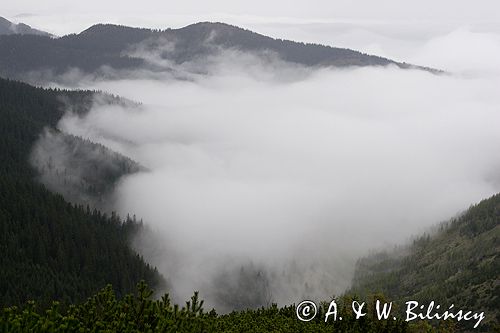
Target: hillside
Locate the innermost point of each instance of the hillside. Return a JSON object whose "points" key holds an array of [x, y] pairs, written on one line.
{"points": [[82, 171], [9, 28], [109, 45], [459, 264], [51, 249]]}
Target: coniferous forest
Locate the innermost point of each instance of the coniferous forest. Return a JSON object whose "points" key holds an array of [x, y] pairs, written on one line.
{"points": [[52, 249]]}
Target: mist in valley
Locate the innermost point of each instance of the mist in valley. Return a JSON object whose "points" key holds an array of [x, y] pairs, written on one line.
{"points": [[263, 181]]}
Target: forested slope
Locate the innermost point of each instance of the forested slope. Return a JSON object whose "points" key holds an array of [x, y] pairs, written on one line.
{"points": [[9, 28], [49, 248], [459, 264], [23, 56]]}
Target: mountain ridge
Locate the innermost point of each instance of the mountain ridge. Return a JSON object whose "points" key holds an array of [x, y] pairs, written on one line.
{"points": [[10, 28], [205, 28], [107, 44]]}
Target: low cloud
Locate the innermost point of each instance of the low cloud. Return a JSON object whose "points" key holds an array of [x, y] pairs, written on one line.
{"points": [[266, 181]]}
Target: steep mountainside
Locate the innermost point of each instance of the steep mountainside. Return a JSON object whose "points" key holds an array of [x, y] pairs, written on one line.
{"points": [[109, 45], [459, 265], [49, 248]]}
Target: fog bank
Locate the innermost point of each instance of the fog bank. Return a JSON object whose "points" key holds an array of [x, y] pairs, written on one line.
{"points": [[265, 181]]}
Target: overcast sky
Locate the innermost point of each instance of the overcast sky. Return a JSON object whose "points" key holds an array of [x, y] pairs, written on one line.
{"points": [[312, 9], [66, 17]]}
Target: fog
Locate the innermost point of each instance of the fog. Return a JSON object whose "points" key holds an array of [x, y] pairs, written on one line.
{"points": [[265, 181]]}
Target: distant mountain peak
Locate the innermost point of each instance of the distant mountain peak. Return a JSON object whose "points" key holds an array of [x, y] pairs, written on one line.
{"points": [[9, 28], [100, 28], [107, 45], [213, 25]]}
